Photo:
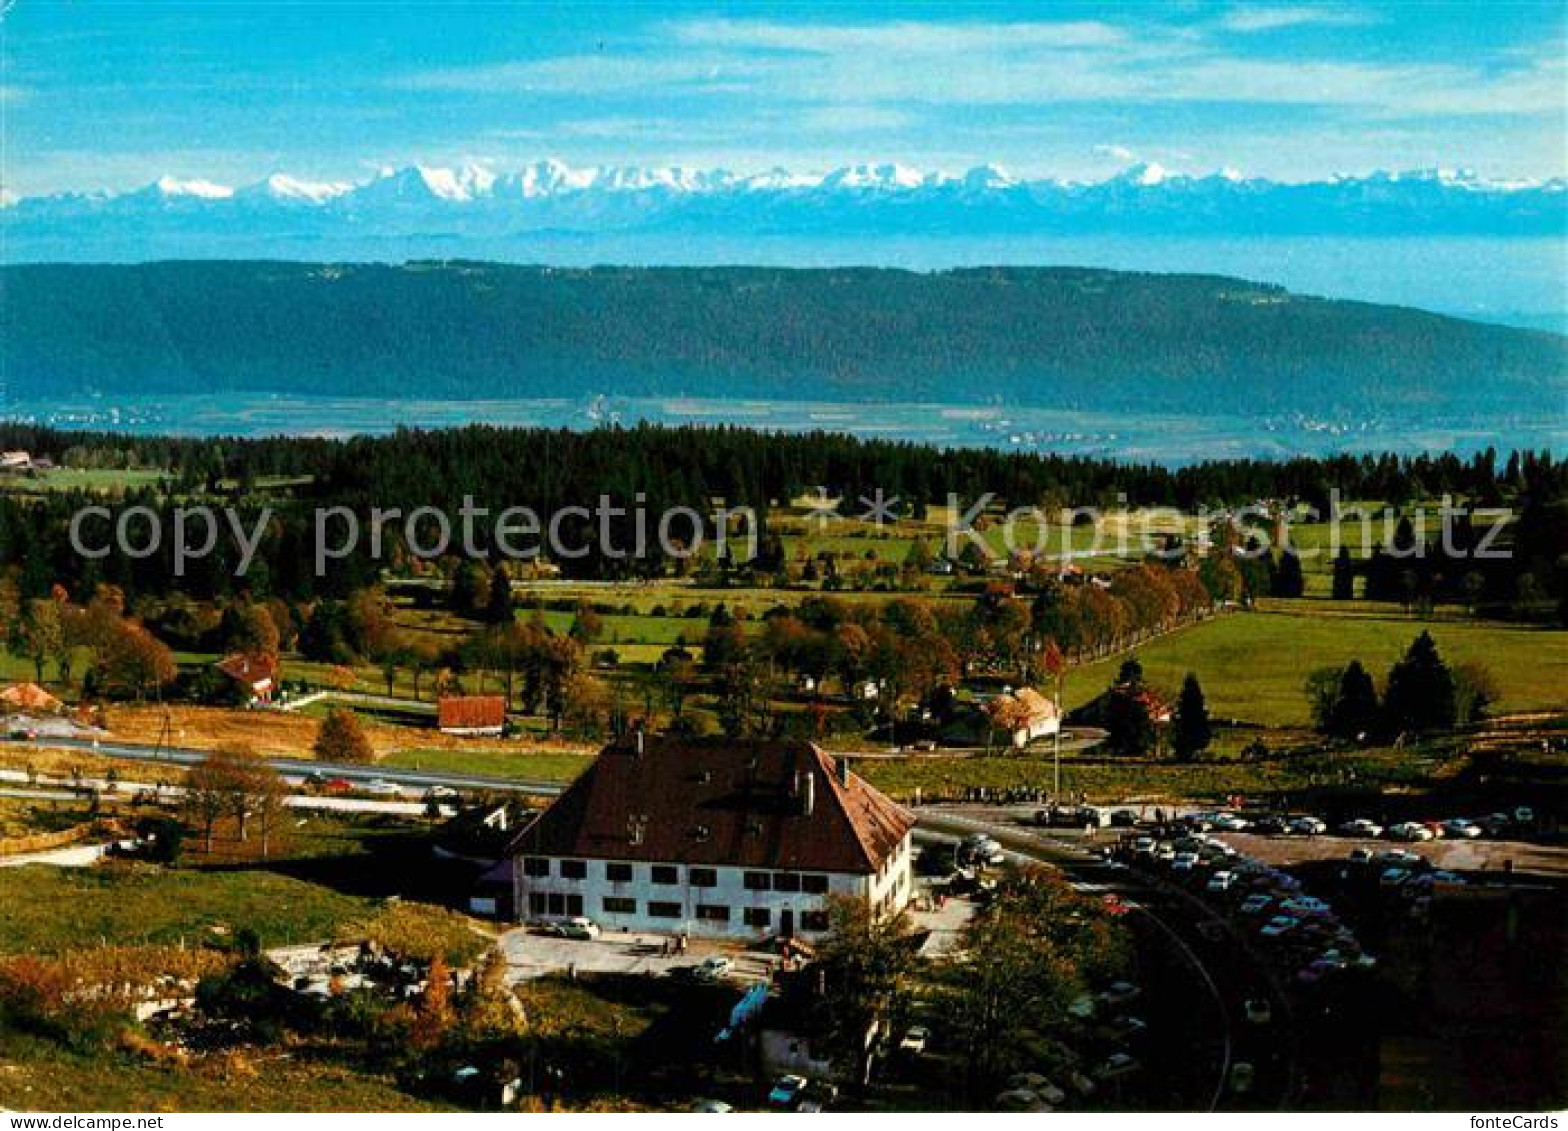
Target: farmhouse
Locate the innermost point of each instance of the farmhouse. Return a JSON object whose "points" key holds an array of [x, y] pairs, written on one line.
{"points": [[720, 838], [30, 699], [256, 674], [471, 714], [1025, 715]]}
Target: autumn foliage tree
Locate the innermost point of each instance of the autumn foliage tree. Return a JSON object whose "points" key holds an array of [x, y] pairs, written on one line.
{"points": [[341, 739]]}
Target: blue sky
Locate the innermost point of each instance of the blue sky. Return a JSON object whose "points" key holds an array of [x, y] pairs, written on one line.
{"points": [[101, 94]]}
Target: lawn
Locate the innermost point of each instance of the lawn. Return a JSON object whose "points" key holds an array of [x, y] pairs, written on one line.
{"points": [[1253, 665], [39, 1075], [525, 765], [49, 910]]}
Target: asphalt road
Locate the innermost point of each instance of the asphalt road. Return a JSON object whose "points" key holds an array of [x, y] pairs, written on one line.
{"points": [[298, 767], [1203, 1044]]}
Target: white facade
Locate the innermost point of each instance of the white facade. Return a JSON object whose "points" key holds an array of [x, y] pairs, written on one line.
{"points": [[709, 901]]}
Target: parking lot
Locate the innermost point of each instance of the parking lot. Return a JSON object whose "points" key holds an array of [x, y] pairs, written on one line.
{"points": [[530, 955], [1451, 855]]}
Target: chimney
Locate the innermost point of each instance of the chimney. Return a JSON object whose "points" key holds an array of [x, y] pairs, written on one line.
{"points": [[808, 799], [843, 771]]}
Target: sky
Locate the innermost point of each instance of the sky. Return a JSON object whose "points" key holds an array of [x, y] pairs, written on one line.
{"points": [[112, 94]]}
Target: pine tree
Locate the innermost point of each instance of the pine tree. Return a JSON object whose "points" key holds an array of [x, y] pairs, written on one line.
{"points": [[1344, 575], [1420, 692], [1192, 733], [1288, 581], [498, 607], [1354, 713]]}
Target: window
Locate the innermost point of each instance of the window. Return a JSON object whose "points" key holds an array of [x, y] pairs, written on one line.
{"points": [[664, 910], [757, 917], [618, 873], [619, 905], [535, 866], [573, 870], [713, 913], [555, 903], [814, 885], [813, 920], [574, 905], [757, 881], [536, 904], [666, 874], [703, 877], [786, 881]]}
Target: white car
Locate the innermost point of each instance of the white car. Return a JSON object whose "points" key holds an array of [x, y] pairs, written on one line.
{"points": [[577, 927], [714, 968], [914, 1042], [1461, 829], [1221, 881], [383, 788], [1410, 831], [1308, 826], [1231, 823]]}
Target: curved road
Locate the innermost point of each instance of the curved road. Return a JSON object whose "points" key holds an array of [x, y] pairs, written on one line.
{"points": [[296, 767], [1225, 969]]}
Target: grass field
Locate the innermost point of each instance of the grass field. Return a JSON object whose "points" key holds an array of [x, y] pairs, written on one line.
{"points": [[525, 765], [1253, 665], [39, 1075], [49, 910]]}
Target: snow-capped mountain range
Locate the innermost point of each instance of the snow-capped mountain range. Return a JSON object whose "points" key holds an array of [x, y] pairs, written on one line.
{"points": [[474, 206]]}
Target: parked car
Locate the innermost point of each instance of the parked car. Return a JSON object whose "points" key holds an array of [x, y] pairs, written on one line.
{"points": [[380, 787], [1279, 925], [1258, 1012], [1123, 819], [1360, 856], [914, 1042], [1305, 905], [1022, 1099], [338, 785], [1221, 881], [1361, 827], [1125, 1028], [786, 1090], [711, 1107], [1461, 828], [577, 927], [1039, 1085], [1120, 993], [1270, 826], [1231, 823], [1241, 1077], [1307, 826], [1117, 1065], [1256, 904], [1410, 831]]}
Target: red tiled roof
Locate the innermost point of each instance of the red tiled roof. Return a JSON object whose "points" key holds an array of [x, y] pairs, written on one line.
{"points": [[470, 712], [249, 668], [720, 802], [30, 697]]}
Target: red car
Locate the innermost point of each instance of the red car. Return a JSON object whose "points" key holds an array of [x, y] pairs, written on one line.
{"points": [[338, 785]]}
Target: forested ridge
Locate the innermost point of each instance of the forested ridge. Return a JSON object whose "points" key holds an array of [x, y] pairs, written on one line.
{"points": [[1055, 337]]}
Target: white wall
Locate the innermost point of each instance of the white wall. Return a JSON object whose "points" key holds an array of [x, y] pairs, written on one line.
{"points": [[891, 888]]}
